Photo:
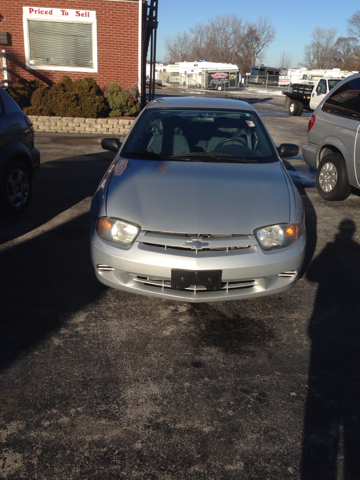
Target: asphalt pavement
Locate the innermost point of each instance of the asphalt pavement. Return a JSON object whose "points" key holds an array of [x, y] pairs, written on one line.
{"points": [[101, 384]]}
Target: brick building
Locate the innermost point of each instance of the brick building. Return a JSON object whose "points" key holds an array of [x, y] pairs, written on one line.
{"points": [[104, 39]]}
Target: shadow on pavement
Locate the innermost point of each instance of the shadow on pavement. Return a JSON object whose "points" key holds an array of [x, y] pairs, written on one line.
{"points": [[59, 185], [46, 268], [45, 280], [332, 417]]}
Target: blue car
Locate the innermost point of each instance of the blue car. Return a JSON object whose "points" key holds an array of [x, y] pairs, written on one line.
{"points": [[19, 159]]}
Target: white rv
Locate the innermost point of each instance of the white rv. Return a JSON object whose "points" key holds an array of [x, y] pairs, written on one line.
{"points": [[311, 77], [203, 74], [292, 75]]}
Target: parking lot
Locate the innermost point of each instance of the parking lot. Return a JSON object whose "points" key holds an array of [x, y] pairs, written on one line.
{"points": [[101, 384]]}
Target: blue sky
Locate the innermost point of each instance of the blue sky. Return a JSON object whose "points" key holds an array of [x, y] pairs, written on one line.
{"points": [[294, 21]]}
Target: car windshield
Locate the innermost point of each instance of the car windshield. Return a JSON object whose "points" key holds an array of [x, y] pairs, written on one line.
{"points": [[199, 135]]}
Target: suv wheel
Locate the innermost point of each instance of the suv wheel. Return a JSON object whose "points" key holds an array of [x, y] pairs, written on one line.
{"points": [[15, 188], [331, 179]]}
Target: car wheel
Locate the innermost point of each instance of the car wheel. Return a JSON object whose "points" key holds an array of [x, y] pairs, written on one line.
{"points": [[219, 87], [15, 189], [294, 108], [331, 179]]}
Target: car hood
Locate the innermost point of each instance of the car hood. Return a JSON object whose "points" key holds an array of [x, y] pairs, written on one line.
{"points": [[198, 197]]}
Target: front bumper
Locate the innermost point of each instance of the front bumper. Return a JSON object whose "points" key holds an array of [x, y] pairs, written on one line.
{"points": [[248, 272]]}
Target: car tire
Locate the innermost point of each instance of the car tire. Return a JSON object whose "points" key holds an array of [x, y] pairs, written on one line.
{"points": [[15, 188], [301, 108], [332, 180], [294, 108], [219, 88]]}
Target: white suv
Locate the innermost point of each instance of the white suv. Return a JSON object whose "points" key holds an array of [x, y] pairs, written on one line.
{"points": [[333, 147]]}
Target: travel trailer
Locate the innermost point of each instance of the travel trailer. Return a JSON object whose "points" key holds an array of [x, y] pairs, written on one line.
{"points": [[203, 74], [291, 75]]}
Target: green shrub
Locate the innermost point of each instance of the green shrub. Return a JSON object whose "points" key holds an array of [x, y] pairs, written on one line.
{"points": [[134, 91], [23, 90], [91, 99], [82, 98], [122, 103], [40, 104], [79, 98]]}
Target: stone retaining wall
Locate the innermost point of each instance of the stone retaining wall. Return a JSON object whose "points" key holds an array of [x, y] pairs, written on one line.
{"points": [[107, 126]]}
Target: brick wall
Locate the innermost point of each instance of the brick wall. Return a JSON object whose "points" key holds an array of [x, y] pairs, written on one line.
{"points": [[113, 127], [117, 35]]}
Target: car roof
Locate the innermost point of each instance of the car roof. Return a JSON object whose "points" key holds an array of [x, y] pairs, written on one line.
{"points": [[200, 102]]}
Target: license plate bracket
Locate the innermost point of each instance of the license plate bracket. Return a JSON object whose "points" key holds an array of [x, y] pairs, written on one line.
{"points": [[210, 279]]}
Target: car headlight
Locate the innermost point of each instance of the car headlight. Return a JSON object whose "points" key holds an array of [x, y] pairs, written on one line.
{"points": [[117, 231], [278, 236]]}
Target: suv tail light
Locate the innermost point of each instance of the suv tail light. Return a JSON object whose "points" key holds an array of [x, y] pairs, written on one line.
{"points": [[29, 122], [311, 122]]}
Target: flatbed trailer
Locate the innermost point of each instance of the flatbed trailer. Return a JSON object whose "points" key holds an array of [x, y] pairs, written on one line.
{"points": [[308, 95], [298, 98]]}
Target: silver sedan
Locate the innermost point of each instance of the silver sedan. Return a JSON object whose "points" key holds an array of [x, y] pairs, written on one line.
{"points": [[197, 206]]}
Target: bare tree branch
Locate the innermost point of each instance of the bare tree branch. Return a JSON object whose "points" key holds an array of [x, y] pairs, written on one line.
{"points": [[224, 39], [257, 38], [179, 48], [354, 25], [284, 60], [345, 57], [320, 52]]}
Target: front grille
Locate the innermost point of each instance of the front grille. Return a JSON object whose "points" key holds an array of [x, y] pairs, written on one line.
{"points": [[289, 274], [104, 268], [216, 249], [196, 243], [225, 286]]}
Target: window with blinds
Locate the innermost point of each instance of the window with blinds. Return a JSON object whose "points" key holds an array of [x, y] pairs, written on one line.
{"points": [[60, 44]]}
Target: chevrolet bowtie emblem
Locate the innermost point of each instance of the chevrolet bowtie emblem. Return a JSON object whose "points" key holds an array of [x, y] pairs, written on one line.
{"points": [[196, 244]]}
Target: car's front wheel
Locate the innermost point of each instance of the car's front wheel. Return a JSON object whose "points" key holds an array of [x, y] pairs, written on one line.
{"points": [[15, 188], [332, 180]]}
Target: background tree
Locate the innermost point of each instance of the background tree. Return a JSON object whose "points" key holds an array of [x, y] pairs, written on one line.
{"points": [[354, 25], [321, 51], [220, 40], [346, 53], [354, 32], [224, 39], [256, 40], [179, 47], [284, 60]]}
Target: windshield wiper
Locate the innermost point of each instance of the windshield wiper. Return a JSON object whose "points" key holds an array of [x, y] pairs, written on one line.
{"points": [[142, 154], [212, 157], [185, 157], [196, 154]]}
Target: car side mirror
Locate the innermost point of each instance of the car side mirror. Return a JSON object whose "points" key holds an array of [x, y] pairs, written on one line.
{"points": [[288, 150], [318, 89], [112, 144]]}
